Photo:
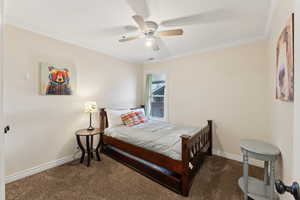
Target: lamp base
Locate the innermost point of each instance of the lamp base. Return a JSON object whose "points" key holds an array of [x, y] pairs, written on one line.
{"points": [[90, 128]]}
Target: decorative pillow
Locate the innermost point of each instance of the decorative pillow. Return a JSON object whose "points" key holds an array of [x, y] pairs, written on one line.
{"points": [[142, 110], [113, 116], [130, 119], [141, 116]]}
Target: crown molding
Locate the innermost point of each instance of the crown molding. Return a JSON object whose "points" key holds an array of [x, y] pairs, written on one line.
{"points": [[211, 49]]}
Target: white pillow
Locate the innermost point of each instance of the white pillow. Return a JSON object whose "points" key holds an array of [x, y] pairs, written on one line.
{"points": [[114, 116]]}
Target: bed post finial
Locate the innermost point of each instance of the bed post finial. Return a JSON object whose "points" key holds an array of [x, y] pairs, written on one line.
{"points": [[184, 150], [185, 164], [210, 124], [103, 119]]}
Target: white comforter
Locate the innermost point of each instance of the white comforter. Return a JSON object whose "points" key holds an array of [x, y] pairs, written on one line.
{"points": [[157, 136]]}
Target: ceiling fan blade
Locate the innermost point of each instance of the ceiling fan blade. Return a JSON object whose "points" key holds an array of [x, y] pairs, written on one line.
{"points": [[140, 7], [141, 23], [129, 38], [171, 32], [118, 30], [201, 18]]}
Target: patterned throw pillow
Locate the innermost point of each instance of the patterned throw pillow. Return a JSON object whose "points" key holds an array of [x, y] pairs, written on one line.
{"points": [[130, 119], [141, 117]]}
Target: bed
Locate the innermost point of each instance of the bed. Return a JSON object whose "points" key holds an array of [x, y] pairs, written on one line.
{"points": [[168, 154]]}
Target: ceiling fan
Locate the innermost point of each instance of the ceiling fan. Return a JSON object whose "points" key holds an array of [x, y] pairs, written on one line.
{"points": [[150, 29]]}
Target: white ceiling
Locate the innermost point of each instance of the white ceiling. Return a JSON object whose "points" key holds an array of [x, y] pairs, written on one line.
{"points": [[90, 23]]}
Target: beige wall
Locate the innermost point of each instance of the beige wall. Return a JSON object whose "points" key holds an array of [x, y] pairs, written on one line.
{"points": [[228, 86], [282, 113], [42, 127]]}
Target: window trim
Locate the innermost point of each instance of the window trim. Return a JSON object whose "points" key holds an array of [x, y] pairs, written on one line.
{"points": [[166, 102], [158, 95]]}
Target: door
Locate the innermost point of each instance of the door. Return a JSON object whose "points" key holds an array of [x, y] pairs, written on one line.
{"points": [[2, 184]]}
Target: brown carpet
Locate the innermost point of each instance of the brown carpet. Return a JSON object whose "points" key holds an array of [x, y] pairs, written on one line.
{"points": [[110, 180]]}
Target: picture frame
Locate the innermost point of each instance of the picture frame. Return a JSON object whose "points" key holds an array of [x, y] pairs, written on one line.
{"points": [[285, 63], [57, 79]]}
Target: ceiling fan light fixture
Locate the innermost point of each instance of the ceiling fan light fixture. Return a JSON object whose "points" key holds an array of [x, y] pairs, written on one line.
{"points": [[149, 42]]}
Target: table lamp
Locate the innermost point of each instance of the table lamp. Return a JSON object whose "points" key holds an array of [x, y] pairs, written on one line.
{"points": [[90, 107]]}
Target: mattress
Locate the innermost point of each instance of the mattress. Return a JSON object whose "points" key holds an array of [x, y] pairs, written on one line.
{"points": [[154, 135]]}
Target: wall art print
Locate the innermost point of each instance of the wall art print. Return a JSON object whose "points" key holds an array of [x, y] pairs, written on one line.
{"points": [[57, 79], [285, 63]]}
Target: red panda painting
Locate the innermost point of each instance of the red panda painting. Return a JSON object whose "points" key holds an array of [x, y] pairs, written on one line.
{"points": [[56, 80]]}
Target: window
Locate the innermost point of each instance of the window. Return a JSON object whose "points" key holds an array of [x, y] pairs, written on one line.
{"points": [[156, 95], [158, 98]]}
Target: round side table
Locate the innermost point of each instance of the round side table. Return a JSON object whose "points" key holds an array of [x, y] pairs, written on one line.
{"points": [[89, 150], [252, 187]]}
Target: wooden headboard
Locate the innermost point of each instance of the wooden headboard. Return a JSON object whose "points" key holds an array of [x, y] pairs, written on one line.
{"points": [[103, 118]]}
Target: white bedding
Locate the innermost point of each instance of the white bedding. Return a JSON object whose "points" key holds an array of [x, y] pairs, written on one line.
{"points": [[157, 136]]}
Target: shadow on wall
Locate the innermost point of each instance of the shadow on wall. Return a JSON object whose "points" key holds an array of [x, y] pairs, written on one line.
{"points": [[217, 146], [68, 146], [279, 168]]}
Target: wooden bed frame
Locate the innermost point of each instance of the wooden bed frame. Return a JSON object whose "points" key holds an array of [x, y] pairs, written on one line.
{"points": [[176, 175]]}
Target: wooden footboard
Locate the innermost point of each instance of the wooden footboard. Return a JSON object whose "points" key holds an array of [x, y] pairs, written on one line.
{"points": [[194, 148]]}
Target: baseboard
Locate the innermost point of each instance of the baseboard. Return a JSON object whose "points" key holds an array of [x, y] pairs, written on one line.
{"points": [[38, 169], [236, 157], [28, 172]]}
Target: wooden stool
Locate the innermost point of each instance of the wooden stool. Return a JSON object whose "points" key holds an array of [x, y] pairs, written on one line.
{"points": [[252, 187]]}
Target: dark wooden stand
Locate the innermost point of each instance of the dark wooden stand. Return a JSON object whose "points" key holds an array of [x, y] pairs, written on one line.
{"points": [[89, 150]]}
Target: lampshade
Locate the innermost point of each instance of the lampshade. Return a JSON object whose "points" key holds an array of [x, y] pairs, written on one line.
{"points": [[90, 107]]}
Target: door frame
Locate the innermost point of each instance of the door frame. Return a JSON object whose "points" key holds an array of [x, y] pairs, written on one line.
{"points": [[2, 175]]}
